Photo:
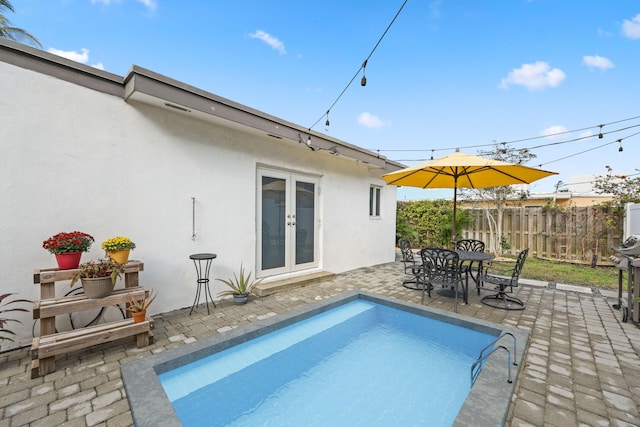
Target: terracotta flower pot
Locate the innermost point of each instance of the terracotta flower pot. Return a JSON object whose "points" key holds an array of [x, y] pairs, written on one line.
{"points": [[139, 316], [68, 260], [97, 288], [121, 257]]}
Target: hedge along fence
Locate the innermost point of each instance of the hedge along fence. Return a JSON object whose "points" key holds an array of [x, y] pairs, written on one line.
{"points": [[573, 234]]}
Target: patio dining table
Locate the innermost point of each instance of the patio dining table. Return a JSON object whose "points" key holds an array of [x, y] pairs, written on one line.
{"points": [[472, 257]]}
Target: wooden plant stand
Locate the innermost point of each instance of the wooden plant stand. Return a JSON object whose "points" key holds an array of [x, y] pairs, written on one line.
{"points": [[51, 343]]}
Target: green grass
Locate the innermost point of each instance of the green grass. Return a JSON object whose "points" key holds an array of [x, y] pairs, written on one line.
{"points": [[563, 272]]}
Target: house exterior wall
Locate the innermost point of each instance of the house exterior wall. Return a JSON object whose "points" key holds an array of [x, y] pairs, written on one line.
{"points": [[74, 158]]}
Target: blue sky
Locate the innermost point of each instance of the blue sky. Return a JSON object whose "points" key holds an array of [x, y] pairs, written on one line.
{"points": [[447, 74]]}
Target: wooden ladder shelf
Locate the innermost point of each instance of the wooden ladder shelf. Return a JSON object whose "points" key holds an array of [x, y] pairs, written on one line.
{"points": [[51, 343]]}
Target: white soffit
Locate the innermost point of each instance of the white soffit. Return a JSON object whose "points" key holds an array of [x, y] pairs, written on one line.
{"points": [[145, 86]]}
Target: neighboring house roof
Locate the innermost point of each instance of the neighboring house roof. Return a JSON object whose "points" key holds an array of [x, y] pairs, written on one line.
{"points": [[146, 86], [562, 198]]}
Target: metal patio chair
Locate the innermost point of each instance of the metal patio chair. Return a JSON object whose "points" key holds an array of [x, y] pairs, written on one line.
{"points": [[412, 267], [472, 245], [442, 267], [501, 299]]}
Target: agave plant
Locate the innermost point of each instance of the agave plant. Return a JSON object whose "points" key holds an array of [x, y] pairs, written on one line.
{"points": [[4, 308], [239, 285], [136, 306]]}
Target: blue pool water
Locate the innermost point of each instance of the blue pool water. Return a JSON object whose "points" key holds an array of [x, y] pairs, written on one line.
{"points": [[361, 363]]}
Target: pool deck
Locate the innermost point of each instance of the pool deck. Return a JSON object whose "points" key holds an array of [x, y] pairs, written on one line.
{"points": [[582, 366]]}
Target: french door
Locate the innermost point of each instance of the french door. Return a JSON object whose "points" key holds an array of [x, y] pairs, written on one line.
{"points": [[287, 222]]}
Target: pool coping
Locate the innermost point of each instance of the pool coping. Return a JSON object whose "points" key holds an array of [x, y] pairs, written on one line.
{"points": [[487, 403]]}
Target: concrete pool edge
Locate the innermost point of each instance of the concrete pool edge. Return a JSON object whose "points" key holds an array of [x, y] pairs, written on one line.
{"points": [[487, 403]]}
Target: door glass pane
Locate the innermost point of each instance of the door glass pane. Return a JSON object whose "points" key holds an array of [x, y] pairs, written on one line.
{"points": [[305, 220], [273, 222]]}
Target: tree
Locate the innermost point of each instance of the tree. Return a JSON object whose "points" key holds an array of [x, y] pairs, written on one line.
{"points": [[428, 223], [496, 197], [623, 188], [13, 33]]}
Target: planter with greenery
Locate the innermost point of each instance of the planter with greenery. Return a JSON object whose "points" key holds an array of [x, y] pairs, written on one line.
{"points": [[98, 277], [6, 334], [118, 248], [68, 248], [240, 287], [138, 308]]}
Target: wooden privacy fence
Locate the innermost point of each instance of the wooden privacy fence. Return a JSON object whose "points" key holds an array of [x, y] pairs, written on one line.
{"points": [[574, 234]]}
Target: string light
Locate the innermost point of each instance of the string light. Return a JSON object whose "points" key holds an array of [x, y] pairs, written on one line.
{"points": [[600, 135], [492, 144], [591, 149], [363, 81]]}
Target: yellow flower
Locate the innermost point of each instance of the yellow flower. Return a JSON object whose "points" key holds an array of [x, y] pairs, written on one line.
{"points": [[118, 243]]}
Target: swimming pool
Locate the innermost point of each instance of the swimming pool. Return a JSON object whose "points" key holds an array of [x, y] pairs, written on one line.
{"points": [[486, 404]]}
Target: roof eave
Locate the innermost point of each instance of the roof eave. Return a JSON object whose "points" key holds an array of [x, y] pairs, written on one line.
{"points": [[146, 86]]}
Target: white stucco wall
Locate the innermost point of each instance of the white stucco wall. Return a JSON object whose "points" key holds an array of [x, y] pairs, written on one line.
{"points": [[77, 159]]}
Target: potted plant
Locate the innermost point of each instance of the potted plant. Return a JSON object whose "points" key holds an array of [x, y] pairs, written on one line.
{"points": [[5, 332], [118, 248], [98, 277], [240, 287], [138, 308], [68, 248]]}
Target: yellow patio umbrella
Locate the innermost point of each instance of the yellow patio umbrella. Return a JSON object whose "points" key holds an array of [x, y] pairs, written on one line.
{"points": [[460, 170]]}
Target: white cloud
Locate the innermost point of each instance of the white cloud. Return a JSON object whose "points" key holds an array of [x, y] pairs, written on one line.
{"points": [[597, 62], [631, 27], [81, 57], [370, 121], [149, 4], [536, 76], [585, 134], [551, 132], [270, 40]]}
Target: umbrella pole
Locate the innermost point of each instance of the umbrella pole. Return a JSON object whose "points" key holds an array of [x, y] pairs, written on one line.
{"points": [[453, 227]]}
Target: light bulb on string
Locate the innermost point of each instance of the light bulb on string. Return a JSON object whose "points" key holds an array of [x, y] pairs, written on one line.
{"points": [[432, 154], [363, 81], [326, 124], [620, 149], [600, 135]]}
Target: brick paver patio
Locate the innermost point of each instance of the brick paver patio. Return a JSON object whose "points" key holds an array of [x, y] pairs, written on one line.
{"points": [[582, 366]]}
